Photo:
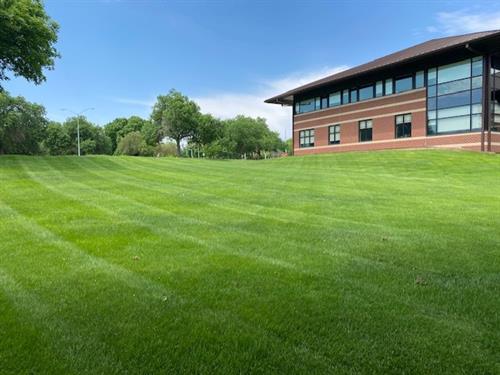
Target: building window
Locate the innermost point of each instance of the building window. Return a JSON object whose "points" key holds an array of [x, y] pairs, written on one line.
{"points": [[345, 96], [366, 92], [365, 130], [324, 102], [335, 99], [388, 86], [354, 95], [305, 106], [379, 89], [306, 138], [454, 97], [334, 134], [419, 79], [317, 103], [403, 126], [403, 84]]}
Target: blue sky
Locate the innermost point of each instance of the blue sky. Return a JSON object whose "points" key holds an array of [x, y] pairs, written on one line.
{"points": [[229, 56]]}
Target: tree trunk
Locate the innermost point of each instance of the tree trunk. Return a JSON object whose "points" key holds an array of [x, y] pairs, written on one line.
{"points": [[178, 143]]}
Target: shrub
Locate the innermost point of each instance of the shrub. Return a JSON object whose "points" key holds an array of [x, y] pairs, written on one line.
{"points": [[165, 149], [133, 144]]}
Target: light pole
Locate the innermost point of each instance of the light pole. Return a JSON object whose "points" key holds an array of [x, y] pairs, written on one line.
{"points": [[77, 114]]}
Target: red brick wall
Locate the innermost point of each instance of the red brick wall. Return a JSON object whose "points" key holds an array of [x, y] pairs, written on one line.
{"points": [[382, 111]]}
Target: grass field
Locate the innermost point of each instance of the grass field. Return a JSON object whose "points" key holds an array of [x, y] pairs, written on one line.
{"points": [[382, 262]]}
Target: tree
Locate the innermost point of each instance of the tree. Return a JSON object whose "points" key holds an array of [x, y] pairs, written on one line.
{"points": [[120, 127], [27, 39], [176, 116], [246, 133], [151, 133], [22, 125], [114, 130], [57, 141], [208, 130], [93, 139]]}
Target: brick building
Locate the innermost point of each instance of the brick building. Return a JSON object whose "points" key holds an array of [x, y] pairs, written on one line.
{"points": [[441, 93]]}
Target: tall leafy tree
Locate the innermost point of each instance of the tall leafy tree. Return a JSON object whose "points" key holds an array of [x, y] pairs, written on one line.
{"points": [[177, 116], [151, 133], [114, 130], [120, 127], [27, 39], [207, 130], [56, 141], [93, 140], [22, 125], [246, 133]]}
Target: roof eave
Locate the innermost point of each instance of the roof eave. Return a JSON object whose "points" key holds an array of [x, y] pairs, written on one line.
{"points": [[286, 98]]}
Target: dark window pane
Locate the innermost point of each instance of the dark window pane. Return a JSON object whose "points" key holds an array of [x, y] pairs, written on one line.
{"points": [[365, 135], [379, 89], [403, 131], [403, 126], [404, 84], [324, 103], [453, 100], [366, 92], [431, 127]]}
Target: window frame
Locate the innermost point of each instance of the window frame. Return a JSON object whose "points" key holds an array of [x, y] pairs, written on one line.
{"points": [[309, 136], [435, 101], [399, 78], [370, 85], [336, 134], [403, 124], [365, 122]]}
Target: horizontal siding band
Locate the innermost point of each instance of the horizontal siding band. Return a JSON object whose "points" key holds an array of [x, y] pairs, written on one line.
{"points": [[361, 118], [410, 139]]}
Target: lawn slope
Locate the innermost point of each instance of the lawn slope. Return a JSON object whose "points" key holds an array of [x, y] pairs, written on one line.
{"points": [[382, 262]]}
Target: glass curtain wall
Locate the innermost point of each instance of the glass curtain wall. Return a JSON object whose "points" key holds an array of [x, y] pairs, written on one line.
{"points": [[495, 92], [454, 97]]}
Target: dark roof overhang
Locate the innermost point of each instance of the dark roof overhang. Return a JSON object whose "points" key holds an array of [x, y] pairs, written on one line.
{"points": [[421, 54]]}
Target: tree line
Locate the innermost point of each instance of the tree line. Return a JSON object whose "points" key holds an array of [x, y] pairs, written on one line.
{"points": [[176, 126]]}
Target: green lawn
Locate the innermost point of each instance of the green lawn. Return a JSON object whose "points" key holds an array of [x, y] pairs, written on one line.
{"points": [[381, 262]]}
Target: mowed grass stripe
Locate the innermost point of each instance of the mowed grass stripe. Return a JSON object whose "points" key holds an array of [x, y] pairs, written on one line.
{"points": [[89, 345], [433, 234], [75, 204], [324, 314]]}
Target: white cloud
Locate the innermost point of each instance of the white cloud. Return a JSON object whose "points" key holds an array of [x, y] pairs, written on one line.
{"points": [[136, 102], [230, 104], [465, 21]]}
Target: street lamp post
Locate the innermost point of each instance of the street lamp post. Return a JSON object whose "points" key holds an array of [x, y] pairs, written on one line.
{"points": [[77, 114]]}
